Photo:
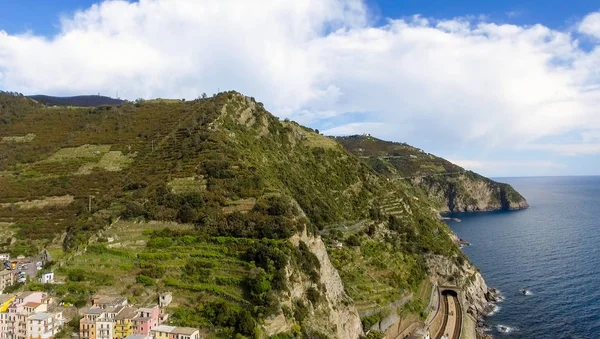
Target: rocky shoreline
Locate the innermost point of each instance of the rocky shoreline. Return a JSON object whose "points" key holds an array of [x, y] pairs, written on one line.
{"points": [[494, 297]]}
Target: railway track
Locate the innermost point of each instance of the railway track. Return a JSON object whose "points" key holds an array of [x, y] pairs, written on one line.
{"points": [[458, 325], [445, 309]]}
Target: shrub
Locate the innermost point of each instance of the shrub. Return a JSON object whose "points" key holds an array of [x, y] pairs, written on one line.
{"points": [[144, 280]]}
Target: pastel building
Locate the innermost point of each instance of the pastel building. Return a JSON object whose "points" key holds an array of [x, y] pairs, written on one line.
{"points": [[146, 319], [124, 323], [7, 278], [185, 333], [173, 332], [87, 324], [105, 324], [162, 332], [44, 325]]}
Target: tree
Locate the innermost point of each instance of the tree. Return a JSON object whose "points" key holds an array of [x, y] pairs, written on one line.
{"points": [[245, 323], [204, 95], [353, 240], [186, 214]]}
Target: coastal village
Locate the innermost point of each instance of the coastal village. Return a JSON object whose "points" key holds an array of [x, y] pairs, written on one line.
{"points": [[35, 314]]}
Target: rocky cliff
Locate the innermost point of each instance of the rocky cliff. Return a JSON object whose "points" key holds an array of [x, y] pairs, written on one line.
{"points": [[477, 296], [450, 187], [331, 313], [470, 192]]}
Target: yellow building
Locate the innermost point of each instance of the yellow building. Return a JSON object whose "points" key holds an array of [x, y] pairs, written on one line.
{"points": [[124, 323]]}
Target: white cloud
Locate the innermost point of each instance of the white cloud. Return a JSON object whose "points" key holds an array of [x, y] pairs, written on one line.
{"points": [[452, 82], [568, 149], [514, 14], [361, 128], [591, 25]]}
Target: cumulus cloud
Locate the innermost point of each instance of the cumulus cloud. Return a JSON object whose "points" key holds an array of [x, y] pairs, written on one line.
{"points": [[591, 25], [422, 80]]}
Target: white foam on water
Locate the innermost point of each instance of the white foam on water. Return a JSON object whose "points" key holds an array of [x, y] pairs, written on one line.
{"points": [[506, 329], [494, 311]]}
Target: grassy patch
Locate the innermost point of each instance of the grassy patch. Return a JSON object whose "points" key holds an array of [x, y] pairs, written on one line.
{"points": [[27, 138], [187, 185], [43, 203], [85, 152], [112, 161]]}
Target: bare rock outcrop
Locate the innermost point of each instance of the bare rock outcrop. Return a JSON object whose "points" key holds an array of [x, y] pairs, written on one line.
{"points": [[335, 315]]}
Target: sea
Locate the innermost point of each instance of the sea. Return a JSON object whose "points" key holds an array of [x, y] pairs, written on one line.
{"points": [[551, 249]]}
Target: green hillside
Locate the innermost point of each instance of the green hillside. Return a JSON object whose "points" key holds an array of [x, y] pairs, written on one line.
{"points": [[200, 198], [450, 187]]}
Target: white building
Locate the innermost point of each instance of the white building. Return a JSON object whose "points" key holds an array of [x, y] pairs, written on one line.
{"points": [[165, 299], [105, 324], [47, 278], [104, 328], [44, 325], [4, 256]]}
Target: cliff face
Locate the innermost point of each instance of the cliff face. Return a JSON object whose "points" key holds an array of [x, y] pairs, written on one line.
{"points": [[468, 192], [450, 187], [334, 313], [477, 295]]}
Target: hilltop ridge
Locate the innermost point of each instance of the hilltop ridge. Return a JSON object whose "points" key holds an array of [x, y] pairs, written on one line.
{"points": [[449, 186], [233, 210]]}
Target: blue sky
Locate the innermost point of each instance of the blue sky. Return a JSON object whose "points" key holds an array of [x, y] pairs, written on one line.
{"points": [[506, 88], [41, 16], [552, 13]]}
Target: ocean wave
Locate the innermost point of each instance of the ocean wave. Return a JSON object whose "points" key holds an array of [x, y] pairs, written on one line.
{"points": [[494, 310], [506, 329]]}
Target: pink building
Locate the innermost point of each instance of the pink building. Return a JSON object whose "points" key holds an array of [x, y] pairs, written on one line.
{"points": [[146, 319], [27, 297], [24, 305]]}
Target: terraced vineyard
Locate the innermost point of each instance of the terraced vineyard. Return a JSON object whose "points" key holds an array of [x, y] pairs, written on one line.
{"points": [[232, 184]]}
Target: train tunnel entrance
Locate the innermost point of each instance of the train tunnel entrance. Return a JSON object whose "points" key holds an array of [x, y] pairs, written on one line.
{"points": [[450, 293]]}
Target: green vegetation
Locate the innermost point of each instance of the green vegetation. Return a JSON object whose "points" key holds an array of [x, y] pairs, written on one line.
{"points": [[208, 193], [450, 187]]}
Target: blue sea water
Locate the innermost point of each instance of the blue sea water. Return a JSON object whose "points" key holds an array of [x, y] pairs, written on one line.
{"points": [[551, 249]]}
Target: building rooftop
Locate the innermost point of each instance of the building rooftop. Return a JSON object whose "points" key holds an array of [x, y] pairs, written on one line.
{"points": [[93, 310], [115, 310], [5, 272], [126, 313], [184, 330], [24, 295], [108, 300], [31, 304], [164, 328], [148, 309], [142, 318], [6, 297], [41, 316], [136, 336]]}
